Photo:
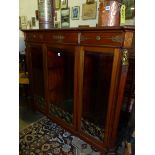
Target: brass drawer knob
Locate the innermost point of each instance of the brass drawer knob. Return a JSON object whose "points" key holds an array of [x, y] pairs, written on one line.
{"points": [[98, 37]]}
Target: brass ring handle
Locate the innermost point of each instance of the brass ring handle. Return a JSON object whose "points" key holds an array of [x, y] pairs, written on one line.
{"points": [[98, 37]]}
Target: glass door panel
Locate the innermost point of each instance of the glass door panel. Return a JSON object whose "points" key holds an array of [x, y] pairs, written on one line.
{"points": [[96, 86], [60, 64]]}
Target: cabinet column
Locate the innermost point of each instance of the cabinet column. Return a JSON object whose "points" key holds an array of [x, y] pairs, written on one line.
{"points": [[45, 76], [79, 61], [122, 82]]}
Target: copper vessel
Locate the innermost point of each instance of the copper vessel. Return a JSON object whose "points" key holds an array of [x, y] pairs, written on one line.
{"points": [[109, 13]]}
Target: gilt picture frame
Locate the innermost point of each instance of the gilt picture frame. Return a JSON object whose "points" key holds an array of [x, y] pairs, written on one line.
{"points": [[33, 21], [64, 4], [57, 4], [23, 21], [89, 11], [57, 24], [90, 1]]}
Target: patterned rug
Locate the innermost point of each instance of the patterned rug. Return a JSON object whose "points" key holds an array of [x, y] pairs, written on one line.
{"points": [[46, 138]]}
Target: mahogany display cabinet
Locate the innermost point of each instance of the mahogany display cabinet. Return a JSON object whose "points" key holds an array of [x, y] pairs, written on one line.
{"points": [[77, 79]]}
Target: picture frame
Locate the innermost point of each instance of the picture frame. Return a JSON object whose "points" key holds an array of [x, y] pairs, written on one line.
{"points": [[75, 12], [23, 21], [64, 4], [57, 24], [90, 1], [33, 21], [57, 4], [20, 26], [37, 14], [55, 16], [89, 11], [129, 9], [65, 18]]}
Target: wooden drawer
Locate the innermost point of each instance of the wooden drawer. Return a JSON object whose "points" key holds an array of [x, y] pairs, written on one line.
{"points": [[62, 37], [102, 39], [53, 37], [34, 36]]}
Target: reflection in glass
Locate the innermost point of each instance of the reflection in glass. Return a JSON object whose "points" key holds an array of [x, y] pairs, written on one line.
{"points": [[96, 84], [38, 76], [60, 82]]}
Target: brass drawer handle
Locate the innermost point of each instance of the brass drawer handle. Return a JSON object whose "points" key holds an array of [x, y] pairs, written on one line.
{"points": [[117, 38], [98, 37], [58, 37], [84, 38]]}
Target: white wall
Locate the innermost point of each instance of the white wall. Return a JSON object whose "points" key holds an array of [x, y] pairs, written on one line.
{"points": [[75, 23], [28, 7]]}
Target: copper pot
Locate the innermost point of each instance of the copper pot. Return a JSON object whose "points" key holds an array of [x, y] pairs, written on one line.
{"points": [[109, 13]]}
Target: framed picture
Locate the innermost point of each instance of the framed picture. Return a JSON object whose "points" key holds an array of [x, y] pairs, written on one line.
{"points": [[89, 11], [23, 20], [75, 12], [20, 26], [37, 14], [64, 4], [57, 24], [55, 16], [33, 21], [90, 1], [57, 4], [65, 17], [129, 9]]}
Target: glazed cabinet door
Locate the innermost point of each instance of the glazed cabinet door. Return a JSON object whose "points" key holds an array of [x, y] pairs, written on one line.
{"points": [[36, 73], [60, 81], [99, 74]]}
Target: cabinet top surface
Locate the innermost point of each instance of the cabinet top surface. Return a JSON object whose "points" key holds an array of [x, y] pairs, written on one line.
{"points": [[121, 36], [124, 28]]}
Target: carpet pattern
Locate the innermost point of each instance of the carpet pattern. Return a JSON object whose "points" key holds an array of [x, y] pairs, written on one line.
{"points": [[47, 138]]}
